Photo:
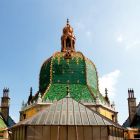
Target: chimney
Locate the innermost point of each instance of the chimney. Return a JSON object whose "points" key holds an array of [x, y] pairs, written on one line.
{"points": [[131, 104], [5, 104]]}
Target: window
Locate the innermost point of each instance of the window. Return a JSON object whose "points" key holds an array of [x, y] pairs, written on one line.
{"points": [[68, 43], [136, 135], [113, 118], [24, 116]]}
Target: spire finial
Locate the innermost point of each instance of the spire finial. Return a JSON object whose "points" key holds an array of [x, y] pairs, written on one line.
{"points": [[67, 21], [106, 95], [106, 91], [31, 90]]}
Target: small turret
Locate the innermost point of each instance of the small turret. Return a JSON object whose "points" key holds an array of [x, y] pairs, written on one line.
{"points": [[131, 104], [68, 39], [5, 104]]}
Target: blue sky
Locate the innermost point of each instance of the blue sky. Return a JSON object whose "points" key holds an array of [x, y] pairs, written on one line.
{"points": [[107, 32]]}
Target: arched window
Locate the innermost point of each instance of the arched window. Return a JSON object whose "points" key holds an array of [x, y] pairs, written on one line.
{"points": [[68, 43], [73, 43], [24, 116]]}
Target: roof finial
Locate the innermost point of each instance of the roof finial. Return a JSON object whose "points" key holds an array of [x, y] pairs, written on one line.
{"points": [[31, 90], [106, 91], [106, 95], [68, 92], [67, 21], [39, 100]]}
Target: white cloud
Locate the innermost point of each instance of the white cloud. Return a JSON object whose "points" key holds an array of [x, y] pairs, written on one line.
{"points": [[134, 44], [127, 41], [120, 38], [109, 81]]}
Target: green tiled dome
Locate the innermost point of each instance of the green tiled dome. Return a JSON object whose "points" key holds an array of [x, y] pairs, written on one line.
{"points": [[69, 68], [77, 72]]}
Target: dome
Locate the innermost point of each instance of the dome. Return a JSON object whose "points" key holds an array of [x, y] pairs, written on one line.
{"points": [[69, 68], [68, 29], [78, 72], [44, 78]]}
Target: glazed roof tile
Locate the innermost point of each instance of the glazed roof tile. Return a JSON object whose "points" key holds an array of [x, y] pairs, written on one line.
{"points": [[2, 123]]}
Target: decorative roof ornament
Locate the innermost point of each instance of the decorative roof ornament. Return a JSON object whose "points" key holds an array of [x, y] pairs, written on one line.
{"points": [[67, 39], [23, 105], [30, 96], [67, 21], [31, 90], [67, 55], [68, 92], [113, 105], [39, 100], [97, 100], [47, 100], [106, 96], [6, 92]]}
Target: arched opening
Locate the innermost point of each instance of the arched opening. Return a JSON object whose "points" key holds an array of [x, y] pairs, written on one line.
{"points": [[24, 116], [73, 43], [68, 43]]}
